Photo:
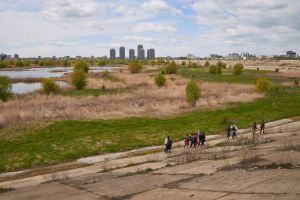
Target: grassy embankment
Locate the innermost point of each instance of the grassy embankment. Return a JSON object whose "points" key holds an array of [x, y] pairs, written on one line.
{"points": [[71, 139]]}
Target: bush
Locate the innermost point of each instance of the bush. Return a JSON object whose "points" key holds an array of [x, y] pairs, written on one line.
{"points": [[66, 63], [105, 73], [78, 79], [19, 63], [183, 63], [296, 82], [262, 84], [81, 65], [221, 65], [193, 92], [171, 68], [238, 69], [50, 86], [213, 69], [160, 80], [194, 65], [3, 64], [101, 63], [206, 64], [5, 88], [135, 67], [276, 70]]}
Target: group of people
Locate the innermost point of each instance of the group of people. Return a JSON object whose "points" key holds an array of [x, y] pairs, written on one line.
{"points": [[195, 139], [199, 138], [262, 127], [232, 131]]}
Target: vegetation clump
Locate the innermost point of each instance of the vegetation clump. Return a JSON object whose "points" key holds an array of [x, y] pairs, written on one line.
{"points": [[78, 79], [207, 64], [160, 80], [171, 68], [238, 69], [221, 65], [5, 88], [262, 84], [81, 65], [134, 67], [19, 63], [50, 86], [193, 92], [3, 64], [214, 69]]}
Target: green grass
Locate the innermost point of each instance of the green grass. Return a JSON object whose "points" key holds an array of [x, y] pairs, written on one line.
{"points": [[247, 77], [91, 92], [72, 139]]}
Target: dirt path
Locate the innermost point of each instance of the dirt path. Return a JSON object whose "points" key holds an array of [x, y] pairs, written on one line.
{"points": [[268, 169]]}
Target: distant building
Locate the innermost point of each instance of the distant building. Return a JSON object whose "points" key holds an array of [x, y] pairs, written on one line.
{"points": [[247, 56], [2, 56], [291, 54], [112, 54], [78, 57], [215, 56], [150, 54], [233, 56], [122, 52], [131, 54], [140, 52], [16, 56]]}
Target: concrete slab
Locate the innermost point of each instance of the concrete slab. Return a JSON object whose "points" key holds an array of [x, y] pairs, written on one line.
{"points": [[177, 194], [260, 196]]}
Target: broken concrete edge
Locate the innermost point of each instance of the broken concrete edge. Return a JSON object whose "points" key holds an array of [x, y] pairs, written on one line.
{"points": [[114, 156]]}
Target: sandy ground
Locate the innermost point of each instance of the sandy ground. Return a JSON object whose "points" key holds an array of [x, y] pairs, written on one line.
{"points": [[237, 170]]}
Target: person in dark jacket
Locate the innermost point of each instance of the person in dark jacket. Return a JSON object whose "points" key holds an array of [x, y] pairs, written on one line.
{"points": [[262, 127], [228, 130], [202, 138]]}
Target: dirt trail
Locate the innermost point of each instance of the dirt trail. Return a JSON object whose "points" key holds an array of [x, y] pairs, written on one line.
{"points": [[267, 169]]}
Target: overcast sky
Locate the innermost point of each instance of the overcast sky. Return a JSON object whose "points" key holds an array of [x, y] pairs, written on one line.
{"points": [[172, 27]]}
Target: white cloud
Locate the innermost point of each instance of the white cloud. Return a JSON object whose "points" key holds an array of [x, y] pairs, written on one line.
{"points": [[159, 7], [137, 39], [70, 8], [154, 27]]}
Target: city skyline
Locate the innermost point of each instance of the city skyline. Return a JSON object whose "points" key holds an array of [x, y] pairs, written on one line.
{"points": [[173, 27]]}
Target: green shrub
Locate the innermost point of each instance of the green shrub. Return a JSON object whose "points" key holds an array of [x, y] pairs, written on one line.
{"points": [[81, 65], [134, 67], [215, 69], [50, 86], [221, 65], [105, 73], [19, 63], [171, 68], [66, 63], [207, 64], [3, 64], [193, 92], [5, 88], [183, 63], [238, 69], [160, 80], [262, 84], [78, 79], [101, 63], [194, 65]]}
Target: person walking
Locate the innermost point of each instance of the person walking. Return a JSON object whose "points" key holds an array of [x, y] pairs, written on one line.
{"points": [[186, 141], [202, 138], [228, 130], [262, 127], [254, 128], [166, 144], [170, 142], [234, 131]]}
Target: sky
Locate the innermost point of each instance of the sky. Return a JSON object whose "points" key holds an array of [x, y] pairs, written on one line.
{"points": [[34, 28]]}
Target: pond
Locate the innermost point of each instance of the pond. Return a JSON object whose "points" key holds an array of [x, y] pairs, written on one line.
{"points": [[22, 88], [45, 72], [42, 72]]}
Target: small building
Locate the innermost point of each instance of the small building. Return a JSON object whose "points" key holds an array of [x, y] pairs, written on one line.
{"points": [[291, 54]]}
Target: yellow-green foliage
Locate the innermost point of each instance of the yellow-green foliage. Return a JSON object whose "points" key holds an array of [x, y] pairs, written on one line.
{"points": [[171, 68], [5, 88], [238, 69], [50, 86], [78, 79], [81, 65], [135, 67], [193, 92], [262, 84], [160, 80]]}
